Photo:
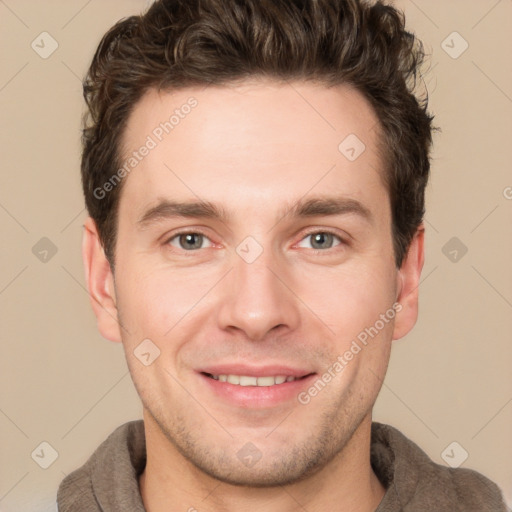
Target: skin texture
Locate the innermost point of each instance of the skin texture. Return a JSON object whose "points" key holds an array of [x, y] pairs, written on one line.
{"points": [[255, 149]]}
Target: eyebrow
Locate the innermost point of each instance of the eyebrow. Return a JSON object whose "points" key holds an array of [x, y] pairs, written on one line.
{"points": [[313, 207], [188, 209]]}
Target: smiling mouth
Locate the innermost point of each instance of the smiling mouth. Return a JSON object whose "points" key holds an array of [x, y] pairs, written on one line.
{"points": [[247, 380]]}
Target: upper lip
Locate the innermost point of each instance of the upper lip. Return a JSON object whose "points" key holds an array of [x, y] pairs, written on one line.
{"points": [[270, 370]]}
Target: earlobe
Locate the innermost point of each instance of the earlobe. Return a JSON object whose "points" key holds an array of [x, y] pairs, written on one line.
{"points": [[408, 285], [100, 283]]}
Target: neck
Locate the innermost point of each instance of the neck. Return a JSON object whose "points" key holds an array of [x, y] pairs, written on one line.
{"points": [[347, 482]]}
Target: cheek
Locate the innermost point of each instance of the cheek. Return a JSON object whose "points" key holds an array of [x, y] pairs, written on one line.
{"points": [[153, 302], [349, 299]]}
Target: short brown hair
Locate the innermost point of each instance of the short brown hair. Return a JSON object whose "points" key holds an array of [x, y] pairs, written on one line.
{"points": [[180, 43]]}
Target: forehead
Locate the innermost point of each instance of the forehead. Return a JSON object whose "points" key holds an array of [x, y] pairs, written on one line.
{"points": [[258, 140]]}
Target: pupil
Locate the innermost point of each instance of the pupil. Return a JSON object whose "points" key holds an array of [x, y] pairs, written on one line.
{"points": [[187, 240], [320, 238]]}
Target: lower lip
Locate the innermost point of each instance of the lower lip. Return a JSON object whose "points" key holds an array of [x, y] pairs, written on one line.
{"points": [[258, 396]]}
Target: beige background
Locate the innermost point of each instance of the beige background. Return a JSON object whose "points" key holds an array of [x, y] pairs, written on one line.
{"points": [[61, 383]]}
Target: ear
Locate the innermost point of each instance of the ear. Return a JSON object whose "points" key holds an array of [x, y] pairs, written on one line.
{"points": [[100, 283], [408, 285]]}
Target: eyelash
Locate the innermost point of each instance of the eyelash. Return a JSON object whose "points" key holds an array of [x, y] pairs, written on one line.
{"points": [[343, 242]]}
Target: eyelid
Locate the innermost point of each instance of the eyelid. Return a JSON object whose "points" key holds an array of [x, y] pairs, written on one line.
{"points": [[343, 239], [186, 231]]}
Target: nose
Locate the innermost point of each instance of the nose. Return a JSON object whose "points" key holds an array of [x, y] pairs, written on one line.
{"points": [[258, 299]]}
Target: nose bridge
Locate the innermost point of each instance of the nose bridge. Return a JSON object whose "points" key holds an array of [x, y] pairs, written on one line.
{"points": [[258, 300]]}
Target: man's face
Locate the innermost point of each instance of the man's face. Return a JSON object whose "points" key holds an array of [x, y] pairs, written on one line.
{"points": [[267, 290]]}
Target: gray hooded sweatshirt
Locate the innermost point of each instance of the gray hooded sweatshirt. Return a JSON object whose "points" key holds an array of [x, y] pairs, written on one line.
{"points": [[108, 481]]}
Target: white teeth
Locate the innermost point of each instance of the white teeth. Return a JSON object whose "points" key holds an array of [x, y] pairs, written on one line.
{"points": [[248, 381], [267, 381], [233, 379], [245, 380]]}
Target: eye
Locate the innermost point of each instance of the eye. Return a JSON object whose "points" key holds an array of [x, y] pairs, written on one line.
{"points": [[189, 241], [320, 240]]}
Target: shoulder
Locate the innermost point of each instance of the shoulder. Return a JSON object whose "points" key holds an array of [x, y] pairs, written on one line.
{"points": [[122, 453], [415, 482]]}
